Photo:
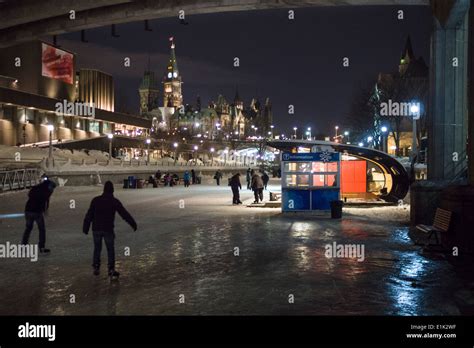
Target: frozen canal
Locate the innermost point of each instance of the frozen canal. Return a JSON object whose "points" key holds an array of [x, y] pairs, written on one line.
{"points": [[190, 251]]}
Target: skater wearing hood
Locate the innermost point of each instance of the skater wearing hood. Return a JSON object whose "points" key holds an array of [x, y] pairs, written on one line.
{"points": [[186, 178], [235, 185], [101, 215], [249, 178], [36, 206]]}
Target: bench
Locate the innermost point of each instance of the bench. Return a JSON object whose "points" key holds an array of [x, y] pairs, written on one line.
{"points": [[441, 223]]}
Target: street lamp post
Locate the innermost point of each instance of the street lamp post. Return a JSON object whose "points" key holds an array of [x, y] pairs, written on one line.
{"points": [[212, 155], [346, 134], [295, 128], [336, 128], [195, 154], [148, 142], [175, 145], [110, 136], [384, 138], [415, 110], [271, 127], [309, 133], [50, 152]]}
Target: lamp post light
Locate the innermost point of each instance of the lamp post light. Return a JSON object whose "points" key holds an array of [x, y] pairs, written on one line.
{"points": [[212, 155], [110, 136], [384, 130], [195, 153], [271, 127], [175, 145], [415, 113], [148, 142], [309, 133], [336, 128], [361, 144], [369, 141], [346, 134], [50, 152], [295, 128]]}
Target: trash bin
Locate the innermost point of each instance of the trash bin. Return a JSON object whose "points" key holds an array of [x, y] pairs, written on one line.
{"points": [[132, 182], [336, 209], [125, 184]]}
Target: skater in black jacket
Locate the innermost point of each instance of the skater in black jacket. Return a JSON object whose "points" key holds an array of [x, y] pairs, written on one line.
{"points": [[101, 215]]}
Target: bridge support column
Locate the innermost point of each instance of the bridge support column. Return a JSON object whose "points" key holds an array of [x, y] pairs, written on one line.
{"points": [[448, 123]]}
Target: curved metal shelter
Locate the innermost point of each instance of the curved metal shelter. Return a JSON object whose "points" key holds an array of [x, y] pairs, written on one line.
{"points": [[391, 168]]}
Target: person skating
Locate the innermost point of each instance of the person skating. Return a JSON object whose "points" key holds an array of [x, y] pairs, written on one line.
{"points": [[257, 187], [101, 215], [249, 179], [265, 179], [36, 206], [235, 186], [218, 177], [186, 178]]}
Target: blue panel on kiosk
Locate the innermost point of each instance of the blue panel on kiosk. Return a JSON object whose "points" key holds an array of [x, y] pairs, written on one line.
{"points": [[321, 199], [295, 200]]}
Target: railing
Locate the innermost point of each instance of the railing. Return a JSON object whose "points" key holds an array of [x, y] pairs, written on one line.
{"points": [[19, 179]]}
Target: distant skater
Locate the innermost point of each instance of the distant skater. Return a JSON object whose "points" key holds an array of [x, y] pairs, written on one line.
{"points": [[257, 187], [36, 206], [249, 179], [218, 177], [101, 215], [186, 178], [235, 185], [265, 179]]}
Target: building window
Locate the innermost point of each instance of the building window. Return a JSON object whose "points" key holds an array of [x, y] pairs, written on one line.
{"points": [[107, 128], [94, 126]]}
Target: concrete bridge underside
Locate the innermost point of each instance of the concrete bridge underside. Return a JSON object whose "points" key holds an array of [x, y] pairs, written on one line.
{"points": [[24, 20]]}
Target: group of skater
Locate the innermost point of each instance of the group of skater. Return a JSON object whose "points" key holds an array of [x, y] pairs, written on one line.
{"points": [[100, 215], [170, 180], [255, 182]]}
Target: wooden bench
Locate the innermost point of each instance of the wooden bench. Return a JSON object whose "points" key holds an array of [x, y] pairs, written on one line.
{"points": [[440, 225]]}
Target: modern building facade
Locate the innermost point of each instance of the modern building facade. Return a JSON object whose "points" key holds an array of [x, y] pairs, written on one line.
{"points": [[40, 89]]}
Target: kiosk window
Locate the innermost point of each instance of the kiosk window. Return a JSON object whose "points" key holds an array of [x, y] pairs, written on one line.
{"points": [[324, 180], [297, 167], [318, 180], [319, 167], [297, 180]]}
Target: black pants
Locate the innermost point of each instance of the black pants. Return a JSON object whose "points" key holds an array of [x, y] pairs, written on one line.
{"points": [[248, 185], [30, 218], [108, 238], [218, 181], [186, 183], [236, 195], [258, 193]]}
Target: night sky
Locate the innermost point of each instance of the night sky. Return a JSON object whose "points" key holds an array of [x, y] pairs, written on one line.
{"points": [[295, 62]]}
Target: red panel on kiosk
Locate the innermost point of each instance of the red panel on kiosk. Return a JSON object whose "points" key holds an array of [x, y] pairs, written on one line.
{"points": [[353, 176]]}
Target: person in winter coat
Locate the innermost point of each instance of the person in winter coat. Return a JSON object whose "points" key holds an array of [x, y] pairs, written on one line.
{"points": [[101, 215], [186, 178], [218, 177], [265, 179], [257, 187], [249, 178], [235, 186], [36, 206], [193, 176]]}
